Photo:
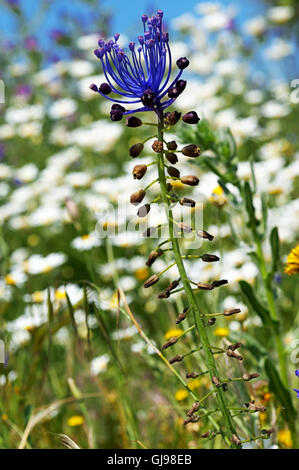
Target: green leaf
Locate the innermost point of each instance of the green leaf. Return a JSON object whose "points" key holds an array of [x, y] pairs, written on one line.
{"points": [[281, 393], [262, 312], [274, 240], [253, 222]]}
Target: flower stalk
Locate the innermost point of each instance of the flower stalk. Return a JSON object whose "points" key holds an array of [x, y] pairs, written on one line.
{"points": [[200, 326]]}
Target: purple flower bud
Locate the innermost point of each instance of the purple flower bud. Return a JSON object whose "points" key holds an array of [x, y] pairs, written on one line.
{"points": [[93, 87], [105, 89], [150, 43], [148, 98], [132, 46], [147, 35], [99, 53], [118, 107], [191, 118], [141, 40], [182, 63], [116, 36], [173, 92], [101, 43], [116, 115], [160, 13], [181, 85], [144, 18]]}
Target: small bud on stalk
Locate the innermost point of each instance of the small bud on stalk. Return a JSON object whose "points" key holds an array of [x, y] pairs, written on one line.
{"points": [[139, 171], [235, 355], [172, 158], [148, 98], [136, 150], [209, 258], [192, 419], [157, 146], [174, 172], [191, 150], [191, 118], [248, 377], [205, 235], [105, 89], [151, 281], [192, 375], [234, 346], [170, 342], [133, 121], [235, 440], [177, 358], [171, 118], [219, 283], [195, 407], [231, 311], [216, 381], [137, 197], [190, 180], [152, 257], [185, 201], [212, 321], [172, 145], [182, 63], [204, 286]]}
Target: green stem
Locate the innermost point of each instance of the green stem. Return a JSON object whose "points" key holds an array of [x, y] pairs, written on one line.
{"points": [[210, 361]]}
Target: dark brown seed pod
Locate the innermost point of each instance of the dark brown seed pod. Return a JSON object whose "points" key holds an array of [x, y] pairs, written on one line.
{"points": [[216, 381], [206, 435], [234, 346], [209, 258], [151, 281], [173, 285], [192, 419], [153, 256], [224, 386], [235, 355], [137, 197], [195, 407], [190, 180], [191, 150], [170, 342], [165, 294], [204, 286], [219, 283], [231, 311], [139, 171], [205, 235], [143, 210], [94, 87], [180, 318], [136, 150], [172, 158], [212, 321], [173, 92], [192, 375], [248, 377], [171, 118], [157, 146], [172, 145], [133, 121], [191, 118], [185, 201], [174, 172], [177, 358], [181, 85]]}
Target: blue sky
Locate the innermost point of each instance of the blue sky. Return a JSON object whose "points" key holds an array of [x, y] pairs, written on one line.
{"points": [[126, 14]]}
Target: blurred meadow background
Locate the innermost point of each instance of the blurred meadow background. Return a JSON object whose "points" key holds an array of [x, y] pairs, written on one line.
{"points": [[77, 371]]}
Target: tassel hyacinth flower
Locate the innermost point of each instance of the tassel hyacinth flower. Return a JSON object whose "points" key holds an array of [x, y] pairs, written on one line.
{"points": [[144, 81]]}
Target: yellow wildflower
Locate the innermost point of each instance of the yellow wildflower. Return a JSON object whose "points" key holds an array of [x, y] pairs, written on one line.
{"points": [[141, 274], [4, 417], [37, 297], [75, 421], [173, 332], [196, 383], [9, 280], [181, 394], [221, 332], [284, 438], [292, 264], [218, 197], [33, 240]]}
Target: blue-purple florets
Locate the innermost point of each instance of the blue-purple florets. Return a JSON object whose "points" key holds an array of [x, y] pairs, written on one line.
{"points": [[141, 78]]}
